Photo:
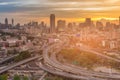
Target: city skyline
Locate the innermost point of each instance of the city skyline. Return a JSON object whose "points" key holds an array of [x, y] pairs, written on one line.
{"points": [[59, 39], [56, 21], [69, 10]]}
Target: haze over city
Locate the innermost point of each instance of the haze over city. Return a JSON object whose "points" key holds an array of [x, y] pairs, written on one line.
{"points": [[59, 39], [70, 10]]}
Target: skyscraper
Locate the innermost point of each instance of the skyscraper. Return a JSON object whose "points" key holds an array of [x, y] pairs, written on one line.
{"points": [[61, 25], [52, 23], [119, 21], [70, 25], [88, 21], [6, 21], [99, 25], [12, 22]]}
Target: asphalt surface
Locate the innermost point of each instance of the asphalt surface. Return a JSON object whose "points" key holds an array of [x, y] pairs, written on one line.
{"points": [[8, 58], [19, 63], [73, 70]]}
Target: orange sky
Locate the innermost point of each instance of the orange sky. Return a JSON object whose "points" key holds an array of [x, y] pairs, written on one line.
{"points": [[71, 10]]}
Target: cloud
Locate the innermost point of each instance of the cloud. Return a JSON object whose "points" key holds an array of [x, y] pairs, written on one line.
{"points": [[34, 5], [8, 3], [62, 8]]}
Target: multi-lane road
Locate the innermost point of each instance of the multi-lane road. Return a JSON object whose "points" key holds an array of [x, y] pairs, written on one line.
{"points": [[8, 58], [94, 51], [50, 62], [66, 69], [19, 63], [61, 73]]}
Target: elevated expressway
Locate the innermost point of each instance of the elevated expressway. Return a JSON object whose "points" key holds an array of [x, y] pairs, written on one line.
{"points": [[19, 63], [8, 58], [52, 65]]}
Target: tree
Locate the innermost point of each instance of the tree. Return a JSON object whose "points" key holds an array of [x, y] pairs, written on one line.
{"points": [[25, 78], [23, 55], [16, 77], [3, 77]]}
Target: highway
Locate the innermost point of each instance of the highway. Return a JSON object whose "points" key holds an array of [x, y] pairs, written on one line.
{"points": [[80, 70], [68, 69], [51, 61], [52, 65], [60, 73], [91, 50], [8, 58], [42, 77], [19, 63]]}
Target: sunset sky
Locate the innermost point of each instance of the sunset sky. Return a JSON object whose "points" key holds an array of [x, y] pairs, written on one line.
{"points": [[70, 10]]}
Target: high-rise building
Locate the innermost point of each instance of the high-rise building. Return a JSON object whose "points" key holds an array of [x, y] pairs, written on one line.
{"points": [[52, 23], [61, 25], [108, 24], [70, 25], [119, 21], [88, 22], [12, 22], [99, 25], [6, 21], [42, 24]]}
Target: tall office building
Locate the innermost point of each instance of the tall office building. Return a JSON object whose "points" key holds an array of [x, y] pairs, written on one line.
{"points": [[70, 25], [6, 21], [99, 25], [88, 21], [52, 23], [12, 22], [61, 25], [108, 24], [119, 21]]}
